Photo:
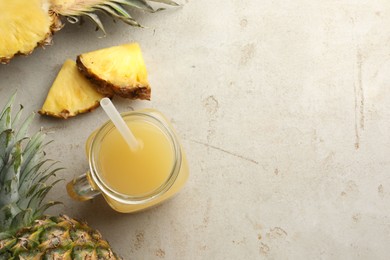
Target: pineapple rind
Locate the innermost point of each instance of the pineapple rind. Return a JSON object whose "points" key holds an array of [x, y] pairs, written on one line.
{"points": [[49, 238], [70, 94], [120, 70]]}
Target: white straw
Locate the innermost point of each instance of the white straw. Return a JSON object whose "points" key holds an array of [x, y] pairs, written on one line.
{"points": [[119, 123]]}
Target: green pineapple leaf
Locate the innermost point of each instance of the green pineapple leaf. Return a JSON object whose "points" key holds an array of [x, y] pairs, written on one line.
{"points": [[114, 8], [22, 164], [168, 2]]}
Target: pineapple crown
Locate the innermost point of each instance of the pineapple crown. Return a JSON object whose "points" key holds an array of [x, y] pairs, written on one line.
{"points": [[75, 8], [23, 172]]}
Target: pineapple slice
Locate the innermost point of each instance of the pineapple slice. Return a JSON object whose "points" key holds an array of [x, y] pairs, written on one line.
{"points": [[117, 70], [70, 94], [26, 24]]}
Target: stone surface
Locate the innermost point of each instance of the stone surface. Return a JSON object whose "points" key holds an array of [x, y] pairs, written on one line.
{"points": [[283, 108]]}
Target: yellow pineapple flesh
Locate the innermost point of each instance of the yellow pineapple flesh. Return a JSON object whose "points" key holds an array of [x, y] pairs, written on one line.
{"points": [[24, 26], [117, 70], [70, 94]]}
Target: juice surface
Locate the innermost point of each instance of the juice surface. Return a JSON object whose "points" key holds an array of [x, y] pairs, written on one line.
{"points": [[179, 183], [136, 172]]}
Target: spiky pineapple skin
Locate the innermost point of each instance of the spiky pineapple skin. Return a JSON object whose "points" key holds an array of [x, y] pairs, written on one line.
{"points": [[56, 237]]}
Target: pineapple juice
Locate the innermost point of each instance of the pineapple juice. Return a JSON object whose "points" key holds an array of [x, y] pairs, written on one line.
{"points": [[137, 172], [134, 180]]}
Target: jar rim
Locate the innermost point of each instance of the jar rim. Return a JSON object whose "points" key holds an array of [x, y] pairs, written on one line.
{"points": [[157, 120]]}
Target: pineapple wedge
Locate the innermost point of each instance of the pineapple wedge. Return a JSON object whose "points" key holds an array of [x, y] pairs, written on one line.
{"points": [[117, 70], [70, 94]]}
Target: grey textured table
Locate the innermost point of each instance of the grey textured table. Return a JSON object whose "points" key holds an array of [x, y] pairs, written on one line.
{"points": [[283, 108]]}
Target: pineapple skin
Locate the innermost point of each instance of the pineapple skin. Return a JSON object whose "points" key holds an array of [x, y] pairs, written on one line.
{"points": [[56, 237]]}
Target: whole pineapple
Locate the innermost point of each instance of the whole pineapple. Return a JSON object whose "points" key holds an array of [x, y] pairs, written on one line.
{"points": [[26, 24], [25, 233]]}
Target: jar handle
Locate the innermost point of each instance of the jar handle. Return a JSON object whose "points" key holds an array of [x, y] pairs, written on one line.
{"points": [[80, 189]]}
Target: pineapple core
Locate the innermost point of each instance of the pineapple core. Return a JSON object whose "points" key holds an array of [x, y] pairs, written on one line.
{"points": [[117, 70], [24, 25], [70, 94]]}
